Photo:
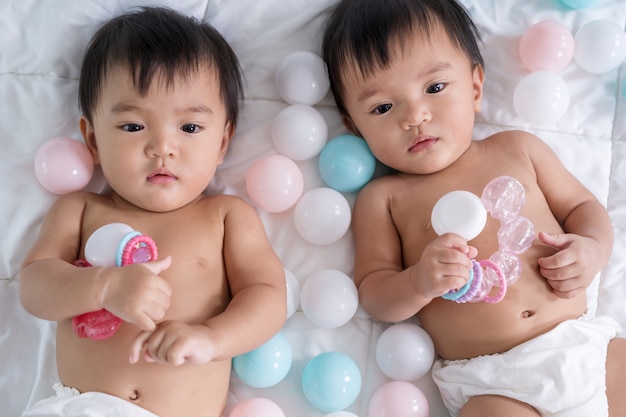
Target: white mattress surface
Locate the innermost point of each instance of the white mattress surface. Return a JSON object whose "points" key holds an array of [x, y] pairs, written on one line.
{"points": [[41, 45]]}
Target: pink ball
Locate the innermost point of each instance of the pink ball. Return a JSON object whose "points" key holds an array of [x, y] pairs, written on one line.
{"points": [[257, 407], [63, 165], [546, 46], [398, 399], [274, 183]]}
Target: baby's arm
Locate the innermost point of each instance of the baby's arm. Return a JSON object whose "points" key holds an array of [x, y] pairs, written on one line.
{"points": [[387, 290], [257, 310], [53, 289], [586, 246]]}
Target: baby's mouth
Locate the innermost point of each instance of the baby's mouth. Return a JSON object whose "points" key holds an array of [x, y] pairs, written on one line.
{"points": [[422, 142], [161, 176]]}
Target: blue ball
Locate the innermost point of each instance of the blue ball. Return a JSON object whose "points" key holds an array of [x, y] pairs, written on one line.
{"points": [[331, 381], [578, 4], [346, 163], [267, 365]]}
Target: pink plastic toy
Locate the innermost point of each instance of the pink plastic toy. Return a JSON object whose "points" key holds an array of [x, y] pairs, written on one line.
{"points": [[132, 247], [274, 183], [503, 198], [398, 399], [63, 165], [546, 46]]}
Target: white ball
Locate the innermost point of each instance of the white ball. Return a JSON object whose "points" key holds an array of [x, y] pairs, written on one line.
{"points": [[322, 216], [405, 352], [301, 78], [541, 97], [293, 293], [329, 298], [102, 247], [600, 46], [299, 132], [459, 212]]}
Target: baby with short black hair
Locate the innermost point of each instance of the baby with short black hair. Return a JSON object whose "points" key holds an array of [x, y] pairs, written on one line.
{"points": [[160, 94], [407, 76]]}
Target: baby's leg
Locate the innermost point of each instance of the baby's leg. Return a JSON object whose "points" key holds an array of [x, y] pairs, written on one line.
{"points": [[496, 406], [616, 377]]}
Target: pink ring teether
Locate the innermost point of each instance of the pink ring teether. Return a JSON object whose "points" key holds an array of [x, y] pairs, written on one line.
{"points": [[136, 243], [486, 263]]}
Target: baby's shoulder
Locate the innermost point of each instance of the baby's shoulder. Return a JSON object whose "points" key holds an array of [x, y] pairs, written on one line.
{"points": [[77, 201], [382, 191], [383, 185], [225, 200], [514, 141], [512, 137], [225, 205]]}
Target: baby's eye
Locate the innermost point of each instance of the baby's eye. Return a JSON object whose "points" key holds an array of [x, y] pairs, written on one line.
{"points": [[435, 88], [132, 127], [382, 109], [190, 128]]}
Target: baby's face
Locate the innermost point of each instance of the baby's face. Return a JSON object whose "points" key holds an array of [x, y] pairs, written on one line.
{"points": [[159, 151], [417, 115]]}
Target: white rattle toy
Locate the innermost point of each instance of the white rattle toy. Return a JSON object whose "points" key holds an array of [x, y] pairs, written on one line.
{"points": [[465, 214]]}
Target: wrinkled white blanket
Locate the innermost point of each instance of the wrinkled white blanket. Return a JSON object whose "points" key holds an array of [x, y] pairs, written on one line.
{"points": [[41, 44]]}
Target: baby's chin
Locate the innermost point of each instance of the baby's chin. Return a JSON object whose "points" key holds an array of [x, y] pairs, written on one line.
{"points": [[157, 204]]}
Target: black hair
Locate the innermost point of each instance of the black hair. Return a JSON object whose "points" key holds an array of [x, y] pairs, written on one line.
{"points": [[359, 34], [158, 40]]}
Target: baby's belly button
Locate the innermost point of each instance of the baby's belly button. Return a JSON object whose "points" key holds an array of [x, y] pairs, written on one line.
{"points": [[134, 395]]}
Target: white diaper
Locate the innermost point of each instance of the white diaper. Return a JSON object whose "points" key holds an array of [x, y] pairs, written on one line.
{"points": [[560, 373], [68, 402]]}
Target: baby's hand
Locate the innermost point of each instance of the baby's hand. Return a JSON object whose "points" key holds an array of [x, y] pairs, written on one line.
{"points": [[138, 295], [174, 343], [570, 270], [445, 265]]}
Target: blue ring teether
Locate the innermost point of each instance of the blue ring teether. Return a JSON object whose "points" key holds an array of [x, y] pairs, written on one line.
{"points": [[120, 249], [456, 294]]}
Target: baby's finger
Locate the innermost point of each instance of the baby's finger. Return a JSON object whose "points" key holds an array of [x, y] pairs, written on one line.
{"points": [[143, 321], [453, 283], [559, 260], [138, 345], [160, 265], [472, 252], [557, 240], [158, 346], [454, 241], [157, 309], [557, 268], [563, 279], [566, 288], [568, 294], [561, 287]]}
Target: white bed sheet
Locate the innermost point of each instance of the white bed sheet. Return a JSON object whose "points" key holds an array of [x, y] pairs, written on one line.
{"points": [[41, 44]]}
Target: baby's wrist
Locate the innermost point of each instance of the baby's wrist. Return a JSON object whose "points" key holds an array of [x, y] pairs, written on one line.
{"points": [[103, 285]]}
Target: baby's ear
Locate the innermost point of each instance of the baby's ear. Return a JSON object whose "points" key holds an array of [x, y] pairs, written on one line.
{"points": [[229, 131], [90, 138], [478, 77]]}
